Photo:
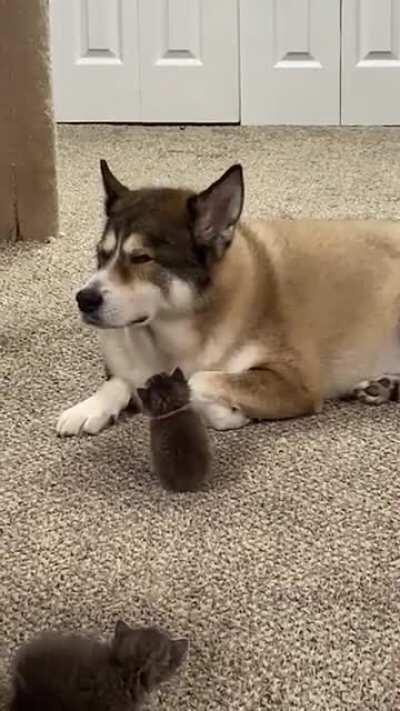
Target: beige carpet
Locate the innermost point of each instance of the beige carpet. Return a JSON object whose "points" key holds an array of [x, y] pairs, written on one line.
{"points": [[285, 574]]}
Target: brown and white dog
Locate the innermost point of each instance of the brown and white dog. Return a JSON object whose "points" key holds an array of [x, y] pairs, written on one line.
{"points": [[266, 318]]}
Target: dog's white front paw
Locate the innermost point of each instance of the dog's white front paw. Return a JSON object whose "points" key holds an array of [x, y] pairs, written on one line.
{"points": [[93, 414], [87, 416], [216, 413]]}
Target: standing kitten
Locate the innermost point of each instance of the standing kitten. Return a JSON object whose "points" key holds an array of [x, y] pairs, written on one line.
{"points": [[74, 673], [179, 441]]}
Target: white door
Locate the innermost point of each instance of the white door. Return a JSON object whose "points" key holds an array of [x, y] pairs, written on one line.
{"points": [[290, 61], [146, 60], [189, 60], [94, 46], [371, 62]]}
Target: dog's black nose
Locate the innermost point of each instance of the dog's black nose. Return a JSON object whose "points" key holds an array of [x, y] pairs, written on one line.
{"points": [[89, 300]]}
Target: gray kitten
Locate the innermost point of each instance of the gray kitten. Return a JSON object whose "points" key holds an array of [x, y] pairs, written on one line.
{"points": [[76, 673], [179, 441]]}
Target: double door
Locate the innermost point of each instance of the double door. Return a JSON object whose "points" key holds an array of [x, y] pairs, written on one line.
{"points": [[227, 61]]}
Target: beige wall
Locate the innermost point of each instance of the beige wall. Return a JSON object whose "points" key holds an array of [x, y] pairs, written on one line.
{"points": [[28, 189]]}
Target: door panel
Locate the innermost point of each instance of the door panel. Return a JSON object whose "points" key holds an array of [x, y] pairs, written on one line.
{"points": [[100, 30], [189, 60], [371, 62], [290, 61], [95, 60]]}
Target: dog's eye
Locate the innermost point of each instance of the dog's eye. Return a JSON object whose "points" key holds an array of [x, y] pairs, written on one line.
{"points": [[140, 258], [102, 256]]}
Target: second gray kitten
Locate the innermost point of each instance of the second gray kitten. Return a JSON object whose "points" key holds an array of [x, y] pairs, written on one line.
{"points": [[75, 673]]}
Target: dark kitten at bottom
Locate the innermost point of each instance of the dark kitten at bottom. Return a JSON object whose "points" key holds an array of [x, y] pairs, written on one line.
{"points": [[76, 673], [179, 441]]}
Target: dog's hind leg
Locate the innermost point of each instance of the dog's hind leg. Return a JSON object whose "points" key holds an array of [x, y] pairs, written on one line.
{"points": [[230, 400], [377, 392]]}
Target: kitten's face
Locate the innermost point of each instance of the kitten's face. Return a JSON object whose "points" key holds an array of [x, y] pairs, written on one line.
{"points": [[164, 393], [147, 656]]}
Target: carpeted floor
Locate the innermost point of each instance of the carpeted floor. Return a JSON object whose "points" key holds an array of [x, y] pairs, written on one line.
{"points": [[285, 574]]}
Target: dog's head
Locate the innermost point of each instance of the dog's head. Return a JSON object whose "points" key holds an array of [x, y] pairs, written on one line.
{"points": [[158, 248]]}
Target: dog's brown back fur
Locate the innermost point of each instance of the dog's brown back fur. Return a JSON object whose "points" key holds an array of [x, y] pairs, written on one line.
{"points": [[330, 294], [320, 300]]}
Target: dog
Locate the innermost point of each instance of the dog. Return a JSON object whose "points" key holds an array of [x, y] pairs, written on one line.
{"points": [[266, 318]]}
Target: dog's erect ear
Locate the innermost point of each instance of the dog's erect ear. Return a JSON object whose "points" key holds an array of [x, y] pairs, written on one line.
{"points": [[112, 186], [178, 376], [215, 211]]}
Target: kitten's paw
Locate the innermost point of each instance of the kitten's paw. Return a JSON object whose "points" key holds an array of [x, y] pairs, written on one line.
{"points": [[377, 392]]}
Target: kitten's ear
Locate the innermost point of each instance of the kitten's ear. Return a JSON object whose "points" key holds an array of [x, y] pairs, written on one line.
{"points": [[121, 629], [178, 376], [215, 211], [179, 650], [143, 395], [112, 187]]}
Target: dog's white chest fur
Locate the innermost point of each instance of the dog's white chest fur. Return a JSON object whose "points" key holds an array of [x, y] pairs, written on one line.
{"points": [[176, 341], [180, 344]]}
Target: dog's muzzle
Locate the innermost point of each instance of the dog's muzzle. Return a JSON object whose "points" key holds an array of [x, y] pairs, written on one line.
{"points": [[89, 300]]}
